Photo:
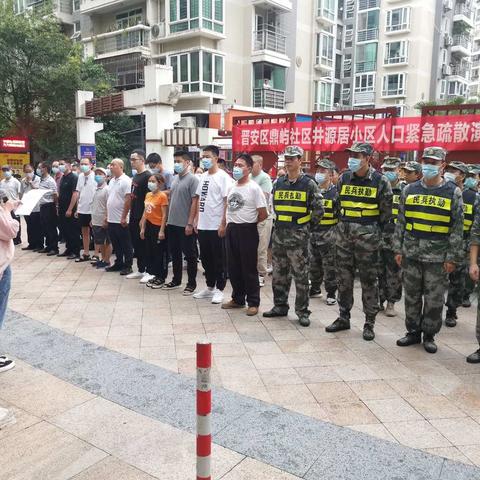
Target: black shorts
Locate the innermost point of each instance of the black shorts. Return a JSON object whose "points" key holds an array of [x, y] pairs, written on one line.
{"points": [[100, 235], [84, 219]]}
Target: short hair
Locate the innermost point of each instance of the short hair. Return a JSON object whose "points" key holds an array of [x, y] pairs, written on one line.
{"points": [[6, 167], [46, 165], [86, 158], [154, 158], [139, 152], [213, 149], [118, 161], [27, 165], [257, 158], [67, 160], [184, 154], [248, 159]]}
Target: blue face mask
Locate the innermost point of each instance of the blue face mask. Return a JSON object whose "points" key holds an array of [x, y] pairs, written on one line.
{"points": [[178, 167], [152, 186], [85, 168], [391, 176], [55, 170], [134, 172], [39, 172], [354, 164], [154, 170], [470, 182], [207, 163], [320, 178], [61, 168], [7, 173], [449, 177], [430, 171], [109, 173], [238, 173], [99, 179]]}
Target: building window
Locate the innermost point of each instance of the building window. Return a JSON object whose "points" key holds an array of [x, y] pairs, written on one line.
{"points": [[187, 15], [365, 83], [396, 52], [366, 57], [269, 85], [398, 19], [326, 9], [323, 96], [129, 19], [457, 89], [394, 85], [198, 72], [324, 53], [76, 5], [368, 26]]}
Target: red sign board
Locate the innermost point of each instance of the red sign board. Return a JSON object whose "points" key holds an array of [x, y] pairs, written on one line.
{"points": [[461, 132], [14, 144]]}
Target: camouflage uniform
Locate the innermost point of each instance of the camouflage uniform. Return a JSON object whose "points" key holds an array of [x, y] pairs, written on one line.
{"points": [[290, 240], [425, 245]]}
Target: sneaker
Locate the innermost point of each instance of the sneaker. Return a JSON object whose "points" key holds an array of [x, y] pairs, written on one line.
{"points": [[113, 268], [474, 357], [127, 271], [83, 258], [331, 301], [207, 293], [390, 310], [6, 417], [172, 286], [146, 278], [102, 264], [156, 283], [95, 259], [134, 275], [261, 281], [6, 364], [217, 296], [189, 290]]}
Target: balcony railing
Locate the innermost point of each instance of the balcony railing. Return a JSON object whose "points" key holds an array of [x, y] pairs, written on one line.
{"points": [[463, 9], [367, 35], [365, 67], [396, 60], [394, 92], [364, 98], [461, 40], [268, 98], [366, 4], [460, 71], [133, 37], [266, 39], [476, 63]]}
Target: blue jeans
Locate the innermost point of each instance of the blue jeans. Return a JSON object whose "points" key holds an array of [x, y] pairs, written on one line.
{"points": [[5, 282]]}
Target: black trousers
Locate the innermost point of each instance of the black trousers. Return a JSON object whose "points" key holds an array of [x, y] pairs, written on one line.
{"points": [[155, 251], [179, 243], [242, 247], [213, 258], [138, 244], [34, 230], [122, 244], [70, 229], [18, 239], [49, 221]]}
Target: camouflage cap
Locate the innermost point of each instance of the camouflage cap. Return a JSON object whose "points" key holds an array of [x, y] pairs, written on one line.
{"points": [[293, 151], [459, 166], [360, 147], [473, 169], [413, 167], [435, 153], [325, 163], [391, 162]]}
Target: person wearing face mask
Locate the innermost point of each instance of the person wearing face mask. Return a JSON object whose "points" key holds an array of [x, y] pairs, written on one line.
{"points": [[322, 239], [30, 182], [57, 173], [428, 245], [390, 274], [181, 215], [297, 204], [153, 231], [12, 189], [69, 226], [412, 172], [366, 206], [155, 165], [48, 209], [246, 207]]}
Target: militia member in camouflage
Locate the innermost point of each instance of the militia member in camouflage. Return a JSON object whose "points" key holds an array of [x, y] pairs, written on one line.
{"points": [[366, 206], [322, 238], [412, 172], [428, 242], [456, 172], [297, 203], [390, 274]]}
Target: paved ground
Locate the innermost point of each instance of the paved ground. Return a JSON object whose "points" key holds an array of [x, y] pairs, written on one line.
{"points": [[428, 402]]}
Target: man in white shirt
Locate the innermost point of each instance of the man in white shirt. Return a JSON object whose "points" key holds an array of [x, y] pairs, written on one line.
{"points": [[83, 195], [246, 207], [48, 209], [30, 182], [11, 187], [210, 201], [118, 206]]}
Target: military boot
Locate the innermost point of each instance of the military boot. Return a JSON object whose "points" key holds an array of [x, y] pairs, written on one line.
{"points": [[429, 344], [451, 318], [390, 310], [315, 292], [304, 320], [474, 357], [466, 302], [410, 338], [338, 325], [276, 312], [368, 333]]}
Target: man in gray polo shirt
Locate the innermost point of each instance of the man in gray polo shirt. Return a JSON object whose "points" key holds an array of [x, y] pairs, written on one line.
{"points": [[181, 213]]}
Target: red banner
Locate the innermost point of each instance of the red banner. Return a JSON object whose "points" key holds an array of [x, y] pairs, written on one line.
{"points": [[14, 144], [460, 132]]}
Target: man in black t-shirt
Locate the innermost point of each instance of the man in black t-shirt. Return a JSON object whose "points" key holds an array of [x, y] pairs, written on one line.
{"points": [[68, 225], [137, 205]]}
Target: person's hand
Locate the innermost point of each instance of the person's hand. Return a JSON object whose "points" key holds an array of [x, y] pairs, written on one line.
{"points": [[449, 267], [161, 235], [142, 234], [123, 223], [75, 214], [189, 230], [221, 231], [68, 213], [11, 205], [105, 223], [474, 272], [398, 259]]}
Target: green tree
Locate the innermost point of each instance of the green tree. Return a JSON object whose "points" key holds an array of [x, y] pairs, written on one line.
{"points": [[41, 71]]}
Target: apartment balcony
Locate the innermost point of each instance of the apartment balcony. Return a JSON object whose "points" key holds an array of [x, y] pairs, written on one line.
{"points": [[324, 65], [361, 67], [278, 5], [186, 29], [270, 46], [364, 98], [98, 6], [129, 40], [460, 71], [268, 98], [476, 64], [62, 9], [325, 17], [368, 4], [394, 92], [368, 35], [462, 45], [395, 61], [463, 13]]}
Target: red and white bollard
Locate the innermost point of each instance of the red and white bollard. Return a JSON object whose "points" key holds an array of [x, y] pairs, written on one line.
{"points": [[204, 410]]}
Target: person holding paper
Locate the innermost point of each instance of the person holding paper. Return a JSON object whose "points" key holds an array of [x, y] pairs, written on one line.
{"points": [[48, 209], [11, 187], [34, 230]]}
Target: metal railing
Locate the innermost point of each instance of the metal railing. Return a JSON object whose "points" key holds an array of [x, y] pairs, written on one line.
{"points": [[365, 67], [394, 92], [395, 60], [268, 98], [460, 71], [365, 98], [463, 9], [366, 4], [461, 40], [367, 35], [325, 13], [63, 6], [267, 39], [123, 40]]}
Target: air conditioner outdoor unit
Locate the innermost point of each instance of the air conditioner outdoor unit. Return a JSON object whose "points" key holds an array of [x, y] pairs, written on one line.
{"points": [[187, 122], [446, 70], [448, 5], [158, 30], [448, 40]]}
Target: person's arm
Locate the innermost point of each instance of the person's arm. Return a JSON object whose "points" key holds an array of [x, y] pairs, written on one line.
{"points": [[73, 204], [223, 224], [385, 200], [315, 202], [8, 226], [399, 233], [142, 226], [455, 250], [475, 241], [161, 233], [126, 209], [262, 214]]}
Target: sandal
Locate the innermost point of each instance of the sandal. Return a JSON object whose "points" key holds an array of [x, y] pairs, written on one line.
{"points": [[83, 258], [95, 259]]}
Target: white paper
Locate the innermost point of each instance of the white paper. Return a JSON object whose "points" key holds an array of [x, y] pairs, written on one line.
{"points": [[30, 200]]}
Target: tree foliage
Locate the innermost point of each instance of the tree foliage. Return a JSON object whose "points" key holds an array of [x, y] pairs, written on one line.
{"points": [[112, 141], [41, 70]]}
